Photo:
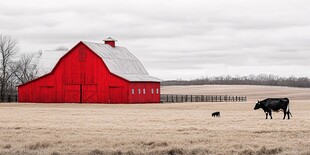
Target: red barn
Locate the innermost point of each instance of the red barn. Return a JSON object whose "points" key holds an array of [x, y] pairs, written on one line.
{"points": [[93, 73]]}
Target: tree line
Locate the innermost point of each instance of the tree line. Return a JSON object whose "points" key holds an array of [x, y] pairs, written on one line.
{"points": [[261, 79]]}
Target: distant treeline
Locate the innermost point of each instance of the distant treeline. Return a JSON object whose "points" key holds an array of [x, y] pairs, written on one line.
{"points": [[261, 79]]}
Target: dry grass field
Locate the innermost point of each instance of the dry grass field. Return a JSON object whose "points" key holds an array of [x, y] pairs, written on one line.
{"points": [[180, 128]]}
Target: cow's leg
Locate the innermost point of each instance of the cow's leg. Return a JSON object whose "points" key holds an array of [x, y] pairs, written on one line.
{"points": [[270, 114], [284, 111], [288, 114], [266, 114]]}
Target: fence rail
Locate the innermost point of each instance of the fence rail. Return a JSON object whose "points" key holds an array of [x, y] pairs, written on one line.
{"points": [[201, 98], [9, 98]]}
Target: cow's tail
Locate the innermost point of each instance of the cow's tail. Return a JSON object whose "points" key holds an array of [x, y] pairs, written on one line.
{"points": [[290, 114], [288, 108]]}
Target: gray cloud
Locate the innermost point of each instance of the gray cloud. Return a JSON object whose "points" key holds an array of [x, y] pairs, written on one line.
{"points": [[175, 38]]}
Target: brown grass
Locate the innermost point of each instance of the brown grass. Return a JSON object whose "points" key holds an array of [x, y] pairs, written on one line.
{"points": [[181, 128]]}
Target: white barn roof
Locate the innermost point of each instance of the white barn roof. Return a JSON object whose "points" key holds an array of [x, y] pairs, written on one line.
{"points": [[48, 60], [118, 60]]}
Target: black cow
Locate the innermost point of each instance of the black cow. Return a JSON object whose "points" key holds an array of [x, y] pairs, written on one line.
{"points": [[274, 104], [216, 114]]}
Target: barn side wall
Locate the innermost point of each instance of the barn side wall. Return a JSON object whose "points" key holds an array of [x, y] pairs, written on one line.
{"points": [[143, 92], [79, 76]]}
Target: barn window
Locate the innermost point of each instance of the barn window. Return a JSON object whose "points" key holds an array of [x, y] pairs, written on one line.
{"points": [[139, 92], [143, 91], [82, 54], [152, 90], [157, 91], [132, 91]]}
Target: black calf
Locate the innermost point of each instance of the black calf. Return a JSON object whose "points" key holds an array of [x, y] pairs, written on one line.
{"points": [[216, 114]]}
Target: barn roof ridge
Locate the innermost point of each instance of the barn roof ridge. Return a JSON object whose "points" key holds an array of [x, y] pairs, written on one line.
{"points": [[89, 42], [121, 62]]}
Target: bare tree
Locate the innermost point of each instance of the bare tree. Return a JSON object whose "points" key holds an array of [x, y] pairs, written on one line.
{"points": [[25, 69], [8, 48]]}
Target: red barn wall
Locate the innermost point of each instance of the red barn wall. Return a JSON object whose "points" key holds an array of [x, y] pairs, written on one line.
{"points": [[149, 92], [82, 76]]}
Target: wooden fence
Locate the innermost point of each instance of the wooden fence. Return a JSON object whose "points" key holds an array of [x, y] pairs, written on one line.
{"points": [[169, 98], [9, 98], [201, 98]]}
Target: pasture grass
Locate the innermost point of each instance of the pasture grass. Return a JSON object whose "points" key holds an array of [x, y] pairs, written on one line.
{"points": [[183, 128], [171, 129]]}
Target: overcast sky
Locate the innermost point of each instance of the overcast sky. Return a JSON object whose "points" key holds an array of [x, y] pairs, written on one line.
{"points": [[184, 39]]}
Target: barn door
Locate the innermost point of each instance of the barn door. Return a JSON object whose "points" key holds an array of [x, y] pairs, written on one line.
{"points": [[72, 93], [117, 95], [89, 93]]}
